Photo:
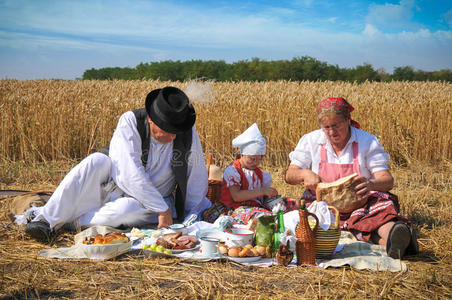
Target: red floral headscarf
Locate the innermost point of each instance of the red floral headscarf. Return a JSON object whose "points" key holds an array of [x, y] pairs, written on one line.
{"points": [[339, 106]]}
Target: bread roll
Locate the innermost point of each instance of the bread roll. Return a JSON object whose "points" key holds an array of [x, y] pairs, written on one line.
{"points": [[109, 238], [340, 194], [260, 250], [253, 252], [245, 252], [268, 253], [234, 251], [222, 249], [115, 238]]}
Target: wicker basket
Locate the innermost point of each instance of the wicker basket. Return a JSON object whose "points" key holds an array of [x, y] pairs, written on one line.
{"points": [[326, 241], [214, 190]]}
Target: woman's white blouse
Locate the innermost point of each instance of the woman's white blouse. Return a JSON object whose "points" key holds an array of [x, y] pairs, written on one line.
{"points": [[371, 155], [150, 185]]}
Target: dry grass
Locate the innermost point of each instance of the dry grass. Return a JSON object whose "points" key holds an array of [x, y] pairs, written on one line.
{"points": [[424, 194], [47, 126]]}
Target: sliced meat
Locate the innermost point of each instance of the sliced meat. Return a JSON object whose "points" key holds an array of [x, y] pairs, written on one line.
{"points": [[188, 238], [186, 242], [168, 244]]}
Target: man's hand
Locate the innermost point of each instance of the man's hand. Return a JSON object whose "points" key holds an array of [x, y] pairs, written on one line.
{"points": [[165, 219]]}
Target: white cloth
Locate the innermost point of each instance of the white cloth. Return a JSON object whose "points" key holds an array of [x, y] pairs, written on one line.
{"points": [[291, 220], [250, 142], [371, 155], [359, 255], [232, 177], [323, 214], [122, 182]]}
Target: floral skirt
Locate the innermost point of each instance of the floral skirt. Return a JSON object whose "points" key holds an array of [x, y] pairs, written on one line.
{"points": [[243, 214], [379, 209]]}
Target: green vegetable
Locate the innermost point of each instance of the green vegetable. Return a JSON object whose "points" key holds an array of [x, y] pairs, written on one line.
{"points": [[265, 230]]}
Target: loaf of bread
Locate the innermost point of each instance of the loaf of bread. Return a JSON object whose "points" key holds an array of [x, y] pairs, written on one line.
{"points": [[340, 194], [107, 239]]}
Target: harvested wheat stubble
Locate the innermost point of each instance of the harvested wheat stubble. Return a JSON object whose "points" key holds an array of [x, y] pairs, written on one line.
{"points": [[25, 274]]}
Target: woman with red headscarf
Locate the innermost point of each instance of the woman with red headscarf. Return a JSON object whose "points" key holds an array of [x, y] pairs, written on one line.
{"points": [[338, 149]]}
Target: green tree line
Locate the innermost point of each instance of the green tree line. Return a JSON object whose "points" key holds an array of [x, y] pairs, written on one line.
{"points": [[297, 69]]}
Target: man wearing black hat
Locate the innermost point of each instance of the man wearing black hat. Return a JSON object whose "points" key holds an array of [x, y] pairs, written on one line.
{"points": [[154, 172]]}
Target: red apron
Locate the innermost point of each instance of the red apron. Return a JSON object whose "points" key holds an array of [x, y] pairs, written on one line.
{"points": [[226, 198], [379, 209]]}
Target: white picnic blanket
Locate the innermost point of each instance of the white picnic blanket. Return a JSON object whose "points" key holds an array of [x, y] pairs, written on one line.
{"points": [[359, 255]]}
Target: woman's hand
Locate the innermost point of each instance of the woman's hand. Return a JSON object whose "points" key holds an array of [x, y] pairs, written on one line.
{"points": [[311, 180], [363, 187], [296, 175], [382, 181]]}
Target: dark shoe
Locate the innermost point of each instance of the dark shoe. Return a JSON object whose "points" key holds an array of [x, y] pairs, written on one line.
{"points": [[413, 247], [399, 239], [39, 230]]}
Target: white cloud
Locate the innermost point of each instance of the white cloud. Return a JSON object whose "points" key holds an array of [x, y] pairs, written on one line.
{"points": [[397, 15], [308, 2], [143, 31], [332, 19], [370, 31], [448, 17]]}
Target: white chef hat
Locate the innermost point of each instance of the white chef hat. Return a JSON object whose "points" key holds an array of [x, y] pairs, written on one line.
{"points": [[250, 142]]}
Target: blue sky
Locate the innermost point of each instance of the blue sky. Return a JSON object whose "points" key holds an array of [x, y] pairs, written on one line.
{"points": [[62, 39]]}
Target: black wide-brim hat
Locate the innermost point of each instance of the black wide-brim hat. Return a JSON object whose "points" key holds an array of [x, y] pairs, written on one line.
{"points": [[170, 109]]}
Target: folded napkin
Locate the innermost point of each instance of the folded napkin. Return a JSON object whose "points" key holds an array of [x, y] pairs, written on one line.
{"points": [[325, 216]]}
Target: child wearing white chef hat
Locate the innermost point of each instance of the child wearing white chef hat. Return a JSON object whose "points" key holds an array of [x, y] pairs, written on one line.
{"points": [[245, 185]]}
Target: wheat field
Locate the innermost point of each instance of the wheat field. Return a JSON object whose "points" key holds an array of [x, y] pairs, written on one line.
{"points": [[52, 120], [47, 126]]}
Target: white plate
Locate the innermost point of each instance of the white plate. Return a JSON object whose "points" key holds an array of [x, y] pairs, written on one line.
{"points": [[196, 247], [245, 259]]}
